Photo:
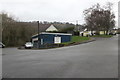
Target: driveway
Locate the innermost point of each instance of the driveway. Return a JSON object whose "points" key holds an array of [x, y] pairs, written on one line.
{"points": [[98, 59]]}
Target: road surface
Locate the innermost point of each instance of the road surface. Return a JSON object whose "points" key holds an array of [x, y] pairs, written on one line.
{"points": [[98, 59]]}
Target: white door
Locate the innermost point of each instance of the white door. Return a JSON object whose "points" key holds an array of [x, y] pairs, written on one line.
{"points": [[57, 39]]}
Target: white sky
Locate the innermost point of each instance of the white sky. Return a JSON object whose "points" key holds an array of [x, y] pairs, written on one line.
{"points": [[51, 10]]}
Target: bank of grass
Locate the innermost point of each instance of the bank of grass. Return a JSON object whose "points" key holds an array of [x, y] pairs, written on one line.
{"points": [[103, 36], [76, 39]]}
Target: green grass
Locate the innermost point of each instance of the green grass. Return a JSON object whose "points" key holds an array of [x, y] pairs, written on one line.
{"points": [[79, 38], [76, 39], [104, 36]]}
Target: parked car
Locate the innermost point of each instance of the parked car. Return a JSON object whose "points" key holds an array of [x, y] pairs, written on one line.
{"points": [[112, 33], [28, 45], [2, 45]]}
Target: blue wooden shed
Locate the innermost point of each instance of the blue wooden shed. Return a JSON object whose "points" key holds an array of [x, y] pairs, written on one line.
{"points": [[50, 38]]}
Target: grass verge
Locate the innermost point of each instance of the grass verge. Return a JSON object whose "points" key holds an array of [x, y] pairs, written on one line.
{"points": [[76, 39]]}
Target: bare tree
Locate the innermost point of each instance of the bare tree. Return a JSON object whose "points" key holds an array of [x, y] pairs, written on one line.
{"points": [[15, 33], [100, 18]]}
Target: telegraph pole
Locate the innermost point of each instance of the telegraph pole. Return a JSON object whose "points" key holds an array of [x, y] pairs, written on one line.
{"points": [[76, 22], [77, 27], [38, 34]]}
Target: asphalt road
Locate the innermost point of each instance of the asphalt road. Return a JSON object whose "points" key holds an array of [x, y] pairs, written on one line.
{"points": [[98, 59]]}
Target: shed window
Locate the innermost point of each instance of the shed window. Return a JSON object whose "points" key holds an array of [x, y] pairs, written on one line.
{"points": [[57, 39]]}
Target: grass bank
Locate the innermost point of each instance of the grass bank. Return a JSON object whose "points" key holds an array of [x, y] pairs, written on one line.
{"points": [[76, 39]]}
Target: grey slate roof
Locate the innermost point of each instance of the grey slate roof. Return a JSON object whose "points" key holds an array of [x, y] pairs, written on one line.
{"points": [[43, 27]]}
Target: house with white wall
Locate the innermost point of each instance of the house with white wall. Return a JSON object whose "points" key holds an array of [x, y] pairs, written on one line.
{"points": [[47, 27]]}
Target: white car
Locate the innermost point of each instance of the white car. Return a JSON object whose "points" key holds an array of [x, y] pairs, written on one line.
{"points": [[28, 45]]}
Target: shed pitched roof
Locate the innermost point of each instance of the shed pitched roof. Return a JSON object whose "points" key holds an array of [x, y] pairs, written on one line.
{"points": [[52, 33]]}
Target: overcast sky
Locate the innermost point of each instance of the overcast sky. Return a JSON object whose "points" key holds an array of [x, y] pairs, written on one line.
{"points": [[52, 10]]}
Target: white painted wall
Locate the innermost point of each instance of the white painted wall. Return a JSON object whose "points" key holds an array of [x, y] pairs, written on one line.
{"points": [[51, 28], [35, 39]]}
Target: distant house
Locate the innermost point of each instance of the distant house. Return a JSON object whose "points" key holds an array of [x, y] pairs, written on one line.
{"points": [[85, 32], [47, 27]]}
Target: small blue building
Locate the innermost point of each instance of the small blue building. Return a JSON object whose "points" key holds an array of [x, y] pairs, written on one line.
{"points": [[50, 38]]}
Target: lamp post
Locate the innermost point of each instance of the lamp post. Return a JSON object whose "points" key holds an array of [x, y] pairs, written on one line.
{"points": [[38, 34]]}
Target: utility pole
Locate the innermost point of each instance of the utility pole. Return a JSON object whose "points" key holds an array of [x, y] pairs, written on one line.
{"points": [[77, 27], [38, 34], [76, 22], [1, 28]]}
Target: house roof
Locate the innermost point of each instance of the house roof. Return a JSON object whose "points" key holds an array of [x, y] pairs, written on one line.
{"points": [[43, 27]]}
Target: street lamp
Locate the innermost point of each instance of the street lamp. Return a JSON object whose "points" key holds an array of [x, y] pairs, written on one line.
{"points": [[38, 34]]}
